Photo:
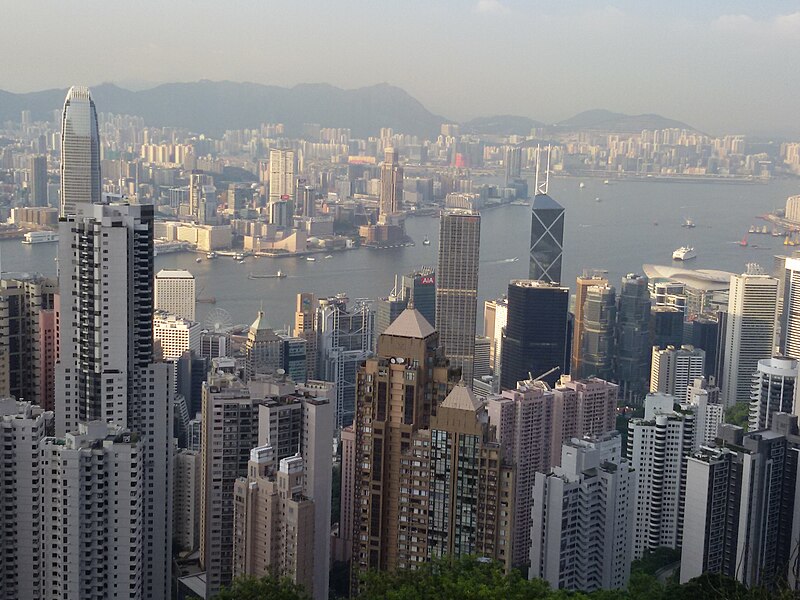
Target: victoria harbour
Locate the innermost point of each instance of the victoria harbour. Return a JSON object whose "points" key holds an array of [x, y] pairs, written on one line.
{"points": [[634, 223]]}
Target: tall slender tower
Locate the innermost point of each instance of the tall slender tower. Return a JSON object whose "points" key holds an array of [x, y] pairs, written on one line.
{"points": [[598, 320], [391, 199], [37, 181], [106, 370], [397, 393], [750, 335], [80, 151], [457, 286], [582, 285], [547, 231]]}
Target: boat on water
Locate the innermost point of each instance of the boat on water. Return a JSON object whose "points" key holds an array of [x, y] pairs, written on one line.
{"points": [[197, 260], [426, 241], [606, 182], [581, 185], [310, 258], [689, 224], [597, 199], [329, 256], [684, 253], [743, 242], [211, 255], [278, 275], [40, 237]]}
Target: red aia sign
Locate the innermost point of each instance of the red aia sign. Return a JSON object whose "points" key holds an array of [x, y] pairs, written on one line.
{"points": [[427, 280], [285, 197]]}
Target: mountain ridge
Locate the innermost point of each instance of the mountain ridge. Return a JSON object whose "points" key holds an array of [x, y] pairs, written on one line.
{"points": [[214, 106]]}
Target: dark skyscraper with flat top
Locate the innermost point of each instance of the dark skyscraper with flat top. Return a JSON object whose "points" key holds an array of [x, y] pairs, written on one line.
{"points": [[547, 239], [535, 337]]}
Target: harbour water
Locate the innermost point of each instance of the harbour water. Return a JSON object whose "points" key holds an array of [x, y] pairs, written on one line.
{"points": [[617, 233]]}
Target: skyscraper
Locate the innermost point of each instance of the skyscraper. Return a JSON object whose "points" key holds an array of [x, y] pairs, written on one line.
{"points": [[457, 286], [535, 336], [80, 151], [741, 507], [391, 198], [263, 349], [409, 377], [37, 182], [633, 337], [598, 321], [772, 391], [582, 523], [106, 370], [175, 293], [582, 285], [345, 340], [673, 370], [512, 163], [750, 331], [305, 327], [421, 286], [790, 305], [281, 175], [547, 239], [28, 339], [658, 446]]}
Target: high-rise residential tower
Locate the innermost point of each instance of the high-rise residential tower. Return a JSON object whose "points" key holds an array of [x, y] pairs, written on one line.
{"points": [[28, 339], [80, 151], [534, 341], [673, 370], [582, 522], [106, 370], [741, 515], [408, 379], [658, 446], [772, 391], [457, 286], [750, 334]]}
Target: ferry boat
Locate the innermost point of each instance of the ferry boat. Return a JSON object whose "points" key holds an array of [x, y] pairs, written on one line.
{"points": [[684, 253], [688, 223], [426, 241], [582, 185], [40, 237], [278, 275], [310, 259]]}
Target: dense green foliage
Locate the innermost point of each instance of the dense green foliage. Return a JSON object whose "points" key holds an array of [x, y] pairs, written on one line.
{"points": [[738, 414], [266, 588], [469, 578]]}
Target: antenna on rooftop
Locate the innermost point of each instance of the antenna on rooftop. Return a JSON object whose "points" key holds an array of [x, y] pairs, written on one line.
{"points": [[542, 186]]}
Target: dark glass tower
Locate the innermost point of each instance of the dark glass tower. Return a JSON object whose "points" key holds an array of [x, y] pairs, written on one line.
{"points": [[421, 286], [666, 326], [535, 337], [633, 337], [547, 239]]}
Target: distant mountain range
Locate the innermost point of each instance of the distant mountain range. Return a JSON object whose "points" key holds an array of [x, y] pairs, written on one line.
{"points": [[213, 106]]}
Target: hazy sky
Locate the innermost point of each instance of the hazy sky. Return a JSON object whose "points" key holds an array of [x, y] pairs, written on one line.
{"points": [[722, 66]]}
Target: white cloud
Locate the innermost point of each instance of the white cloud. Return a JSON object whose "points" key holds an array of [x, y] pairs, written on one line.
{"points": [[490, 6], [782, 26]]}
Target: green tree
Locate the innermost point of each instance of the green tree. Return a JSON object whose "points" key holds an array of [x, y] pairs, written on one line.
{"points": [[465, 578], [738, 414], [264, 588]]}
